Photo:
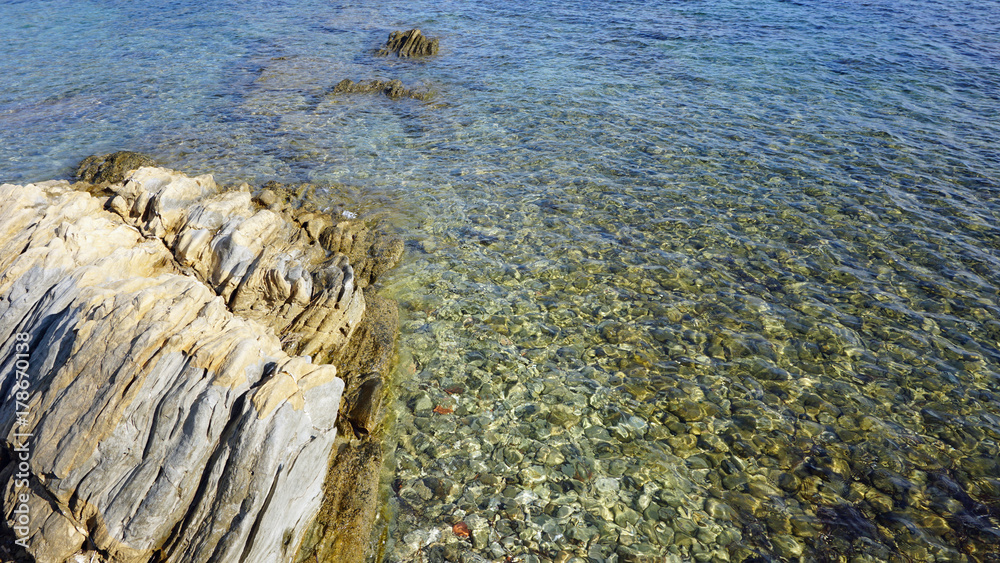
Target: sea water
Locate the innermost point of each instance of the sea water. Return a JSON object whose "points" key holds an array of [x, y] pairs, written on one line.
{"points": [[685, 280]]}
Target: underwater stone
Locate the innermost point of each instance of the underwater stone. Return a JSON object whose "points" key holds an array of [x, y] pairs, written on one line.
{"points": [[625, 516], [687, 410], [392, 88], [786, 546], [607, 486], [788, 482], [532, 475], [719, 510], [480, 530], [423, 405]]}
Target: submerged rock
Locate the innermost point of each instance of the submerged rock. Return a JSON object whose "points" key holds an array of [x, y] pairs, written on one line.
{"points": [[111, 167], [409, 44], [391, 88], [171, 339]]}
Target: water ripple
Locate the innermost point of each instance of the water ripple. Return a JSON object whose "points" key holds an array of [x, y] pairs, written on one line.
{"points": [[699, 280]]}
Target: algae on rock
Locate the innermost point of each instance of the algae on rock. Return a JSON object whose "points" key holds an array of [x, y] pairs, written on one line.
{"points": [[112, 167], [391, 88]]}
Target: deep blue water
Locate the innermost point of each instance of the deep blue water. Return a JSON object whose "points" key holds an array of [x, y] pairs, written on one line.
{"points": [[786, 211]]}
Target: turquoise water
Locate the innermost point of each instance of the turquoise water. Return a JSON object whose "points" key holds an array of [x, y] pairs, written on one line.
{"points": [[706, 281]]}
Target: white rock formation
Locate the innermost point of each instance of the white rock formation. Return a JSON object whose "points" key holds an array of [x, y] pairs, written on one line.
{"points": [[167, 420]]}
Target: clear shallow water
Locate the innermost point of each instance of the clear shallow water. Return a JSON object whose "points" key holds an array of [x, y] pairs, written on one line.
{"points": [[700, 280]]}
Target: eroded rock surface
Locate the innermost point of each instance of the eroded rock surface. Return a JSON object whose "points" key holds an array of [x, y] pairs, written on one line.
{"points": [[178, 399], [410, 43]]}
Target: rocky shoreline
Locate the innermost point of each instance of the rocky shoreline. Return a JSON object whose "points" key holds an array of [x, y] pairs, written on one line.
{"points": [[193, 373]]}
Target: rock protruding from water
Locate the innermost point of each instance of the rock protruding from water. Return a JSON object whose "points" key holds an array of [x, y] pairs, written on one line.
{"points": [[391, 88], [175, 404], [410, 43], [111, 168]]}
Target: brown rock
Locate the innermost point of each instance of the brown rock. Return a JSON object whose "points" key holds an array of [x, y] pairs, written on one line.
{"points": [[409, 44], [391, 88]]}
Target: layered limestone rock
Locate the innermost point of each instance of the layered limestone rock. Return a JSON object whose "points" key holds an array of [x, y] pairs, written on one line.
{"points": [[265, 267], [163, 353], [410, 43]]}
